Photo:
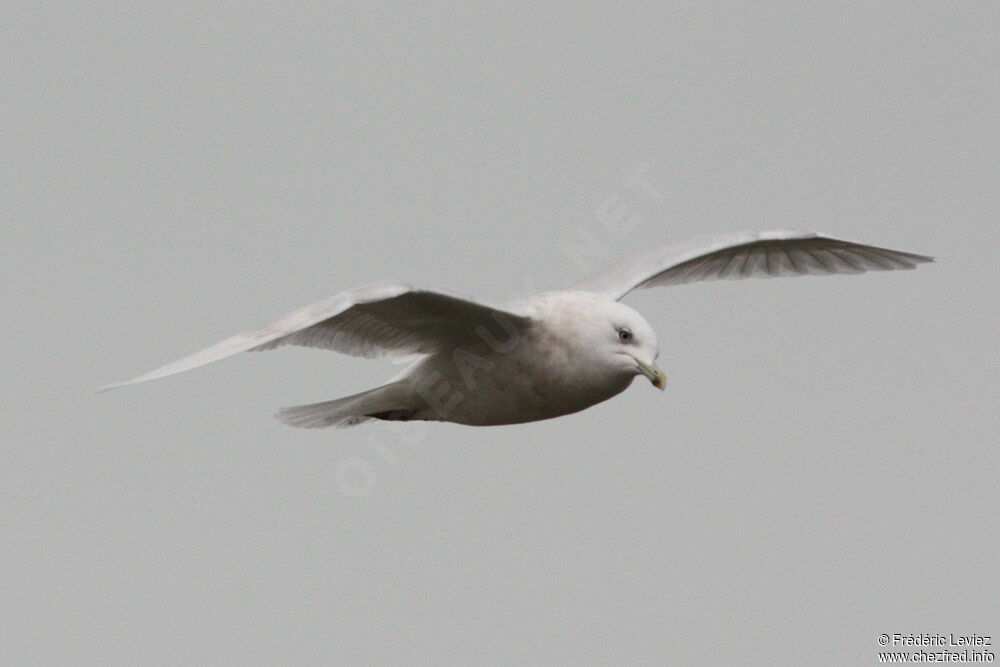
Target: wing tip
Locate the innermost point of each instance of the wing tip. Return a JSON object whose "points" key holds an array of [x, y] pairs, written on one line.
{"points": [[116, 385]]}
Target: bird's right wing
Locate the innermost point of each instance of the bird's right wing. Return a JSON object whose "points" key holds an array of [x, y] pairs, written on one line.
{"points": [[375, 321], [774, 252]]}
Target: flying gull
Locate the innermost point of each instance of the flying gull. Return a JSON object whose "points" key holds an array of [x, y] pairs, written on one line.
{"points": [[544, 356]]}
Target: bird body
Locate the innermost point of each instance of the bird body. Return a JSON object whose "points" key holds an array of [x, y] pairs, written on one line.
{"points": [[545, 356], [553, 367]]}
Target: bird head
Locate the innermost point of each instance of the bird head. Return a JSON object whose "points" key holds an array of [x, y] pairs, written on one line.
{"points": [[631, 343]]}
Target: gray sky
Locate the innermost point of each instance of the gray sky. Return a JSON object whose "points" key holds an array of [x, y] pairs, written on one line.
{"points": [[821, 469]]}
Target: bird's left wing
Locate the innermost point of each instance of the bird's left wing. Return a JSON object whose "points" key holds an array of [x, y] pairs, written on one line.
{"points": [[776, 252], [374, 321]]}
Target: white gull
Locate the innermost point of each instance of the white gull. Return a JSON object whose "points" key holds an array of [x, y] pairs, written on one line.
{"points": [[541, 357]]}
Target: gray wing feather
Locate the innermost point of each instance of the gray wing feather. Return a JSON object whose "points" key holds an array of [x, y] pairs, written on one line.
{"points": [[777, 252], [374, 321]]}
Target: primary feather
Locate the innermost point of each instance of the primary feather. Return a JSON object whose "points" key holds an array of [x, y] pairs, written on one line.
{"points": [[374, 321], [733, 256]]}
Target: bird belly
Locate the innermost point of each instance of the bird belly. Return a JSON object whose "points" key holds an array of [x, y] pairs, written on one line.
{"points": [[487, 388]]}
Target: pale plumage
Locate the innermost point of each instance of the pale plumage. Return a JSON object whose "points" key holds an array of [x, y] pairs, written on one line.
{"points": [[541, 357]]}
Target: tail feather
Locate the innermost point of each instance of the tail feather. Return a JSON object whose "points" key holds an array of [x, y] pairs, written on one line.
{"points": [[386, 402]]}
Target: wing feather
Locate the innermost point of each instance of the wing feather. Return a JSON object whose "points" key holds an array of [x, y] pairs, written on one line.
{"points": [[740, 255], [375, 321]]}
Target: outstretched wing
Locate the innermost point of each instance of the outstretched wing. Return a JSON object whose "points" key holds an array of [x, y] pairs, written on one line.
{"points": [[374, 321], [776, 252]]}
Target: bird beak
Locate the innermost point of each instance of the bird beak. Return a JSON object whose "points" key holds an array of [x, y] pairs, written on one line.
{"points": [[655, 375]]}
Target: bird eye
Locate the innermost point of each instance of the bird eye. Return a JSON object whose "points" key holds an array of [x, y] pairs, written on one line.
{"points": [[624, 335]]}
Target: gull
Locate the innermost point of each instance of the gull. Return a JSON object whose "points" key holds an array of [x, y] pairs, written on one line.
{"points": [[540, 357]]}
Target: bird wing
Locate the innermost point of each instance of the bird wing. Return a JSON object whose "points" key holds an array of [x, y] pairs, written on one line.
{"points": [[374, 321], [776, 252]]}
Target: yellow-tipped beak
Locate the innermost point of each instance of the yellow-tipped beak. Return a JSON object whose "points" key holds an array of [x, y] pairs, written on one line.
{"points": [[660, 382], [655, 375]]}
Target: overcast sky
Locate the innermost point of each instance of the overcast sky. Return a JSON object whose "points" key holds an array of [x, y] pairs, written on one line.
{"points": [[821, 469]]}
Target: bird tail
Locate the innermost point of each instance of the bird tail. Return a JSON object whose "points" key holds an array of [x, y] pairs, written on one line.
{"points": [[391, 401]]}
